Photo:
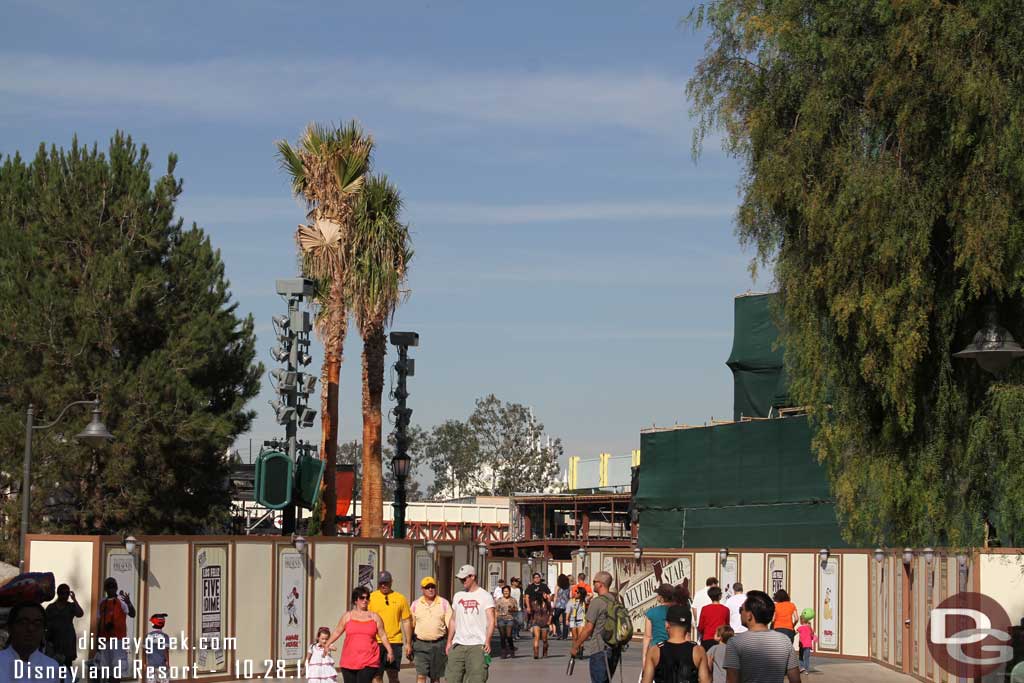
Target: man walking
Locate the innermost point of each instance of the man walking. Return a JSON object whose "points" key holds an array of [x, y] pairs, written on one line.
{"points": [[497, 591], [701, 599], [393, 609], [590, 641], [536, 592], [581, 582], [734, 604], [430, 617], [760, 655], [469, 631], [60, 625]]}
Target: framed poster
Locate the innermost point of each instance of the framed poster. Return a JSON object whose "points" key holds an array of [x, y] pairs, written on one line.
{"points": [[210, 575], [777, 573], [124, 568], [291, 602], [829, 605], [364, 565], [638, 581], [424, 565], [493, 574], [730, 573]]}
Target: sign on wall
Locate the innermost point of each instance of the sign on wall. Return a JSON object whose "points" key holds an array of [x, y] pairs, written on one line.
{"points": [[730, 575], [291, 600], [424, 566], [829, 605], [778, 574], [365, 559], [124, 568], [638, 581], [493, 574], [210, 623]]}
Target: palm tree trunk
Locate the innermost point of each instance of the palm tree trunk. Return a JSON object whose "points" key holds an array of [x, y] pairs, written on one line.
{"points": [[373, 387], [334, 345]]}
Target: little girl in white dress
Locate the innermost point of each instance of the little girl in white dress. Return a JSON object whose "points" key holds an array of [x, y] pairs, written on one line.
{"points": [[319, 662]]}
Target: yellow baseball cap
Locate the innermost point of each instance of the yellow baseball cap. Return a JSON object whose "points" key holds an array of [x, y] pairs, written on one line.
{"points": [[427, 581]]}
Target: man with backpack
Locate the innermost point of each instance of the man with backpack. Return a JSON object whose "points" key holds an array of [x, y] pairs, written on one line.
{"points": [[607, 630], [678, 659]]}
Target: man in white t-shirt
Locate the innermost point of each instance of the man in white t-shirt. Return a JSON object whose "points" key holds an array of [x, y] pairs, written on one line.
{"points": [[734, 603], [701, 599], [469, 631]]}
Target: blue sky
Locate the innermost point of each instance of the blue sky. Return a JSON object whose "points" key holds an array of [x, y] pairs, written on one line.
{"points": [[570, 254]]}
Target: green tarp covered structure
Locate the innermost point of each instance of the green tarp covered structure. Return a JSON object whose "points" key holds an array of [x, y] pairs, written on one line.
{"points": [[749, 483]]}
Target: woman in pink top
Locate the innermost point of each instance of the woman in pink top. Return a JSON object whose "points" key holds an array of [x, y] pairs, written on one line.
{"points": [[360, 653]]}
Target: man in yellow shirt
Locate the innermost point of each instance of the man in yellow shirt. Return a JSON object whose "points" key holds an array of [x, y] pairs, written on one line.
{"points": [[430, 615], [393, 609]]}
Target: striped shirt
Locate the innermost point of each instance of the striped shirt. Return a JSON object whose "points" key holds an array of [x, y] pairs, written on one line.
{"points": [[761, 656]]}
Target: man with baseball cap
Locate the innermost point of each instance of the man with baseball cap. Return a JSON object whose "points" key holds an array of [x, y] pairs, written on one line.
{"points": [[469, 630], [430, 617], [393, 609], [678, 658]]}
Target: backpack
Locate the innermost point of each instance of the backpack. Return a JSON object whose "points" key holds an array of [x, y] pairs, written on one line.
{"points": [[618, 625]]}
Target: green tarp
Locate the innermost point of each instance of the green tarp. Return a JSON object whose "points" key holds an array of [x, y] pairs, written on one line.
{"points": [[755, 360], [752, 484]]}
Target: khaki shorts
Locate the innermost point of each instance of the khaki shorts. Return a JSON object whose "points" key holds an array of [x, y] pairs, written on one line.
{"points": [[430, 658]]}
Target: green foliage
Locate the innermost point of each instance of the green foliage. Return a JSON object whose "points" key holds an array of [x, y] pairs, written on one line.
{"points": [[453, 454], [104, 293], [882, 148]]}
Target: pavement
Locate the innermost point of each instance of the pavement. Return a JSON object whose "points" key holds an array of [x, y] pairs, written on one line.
{"points": [[524, 669]]}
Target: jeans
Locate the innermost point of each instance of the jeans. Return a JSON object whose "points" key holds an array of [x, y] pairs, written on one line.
{"points": [[559, 621], [805, 658], [603, 665]]}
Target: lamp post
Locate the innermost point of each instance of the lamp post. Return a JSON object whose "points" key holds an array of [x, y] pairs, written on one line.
{"points": [[993, 347], [400, 467], [95, 434]]}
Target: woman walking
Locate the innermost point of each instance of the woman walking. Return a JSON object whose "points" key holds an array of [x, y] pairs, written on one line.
{"points": [[785, 614], [360, 653], [654, 619], [540, 622], [577, 612], [506, 609], [560, 623]]}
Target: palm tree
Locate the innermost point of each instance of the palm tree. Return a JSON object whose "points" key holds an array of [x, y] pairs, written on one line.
{"points": [[378, 263], [328, 168]]}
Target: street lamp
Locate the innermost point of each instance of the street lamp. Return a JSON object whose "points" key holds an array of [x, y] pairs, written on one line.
{"points": [[879, 555], [823, 556], [130, 544], [400, 468], [723, 555], [929, 555], [95, 434], [993, 347], [482, 549], [431, 547], [299, 542], [908, 556], [638, 552]]}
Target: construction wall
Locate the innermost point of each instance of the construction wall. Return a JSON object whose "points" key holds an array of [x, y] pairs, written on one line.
{"points": [[239, 600]]}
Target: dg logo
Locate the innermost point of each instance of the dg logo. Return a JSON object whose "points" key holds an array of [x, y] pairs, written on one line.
{"points": [[969, 635]]}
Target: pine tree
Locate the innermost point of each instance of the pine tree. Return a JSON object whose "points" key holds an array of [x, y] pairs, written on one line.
{"points": [[104, 293]]}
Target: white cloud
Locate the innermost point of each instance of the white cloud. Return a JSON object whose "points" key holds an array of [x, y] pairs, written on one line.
{"points": [[268, 89]]}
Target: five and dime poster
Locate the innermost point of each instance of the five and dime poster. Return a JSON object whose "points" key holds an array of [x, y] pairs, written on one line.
{"points": [[291, 597], [210, 577], [365, 561], [828, 606], [638, 580], [125, 569], [778, 573], [730, 575]]}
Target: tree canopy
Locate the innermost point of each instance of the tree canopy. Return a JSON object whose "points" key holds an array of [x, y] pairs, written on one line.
{"points": [[104, 293], [881, 145]]}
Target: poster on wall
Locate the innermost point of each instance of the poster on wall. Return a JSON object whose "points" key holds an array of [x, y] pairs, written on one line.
{"points": [[424, 566], [291, 599], [124, 568], [730, 575], [778, 573], [638, 580], [210, 623], [828, 605], [365, 561], [493, 574]]}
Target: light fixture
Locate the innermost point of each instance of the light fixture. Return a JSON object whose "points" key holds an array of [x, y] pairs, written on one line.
{"points": [[299, 542], [281, 321], [582, 553], [723, 555], [482, 549], [95, 433], [823, 555], [961, 562], [130, 544], [431, 546], [530, 561], [279, 354], [400, 466], [908, 556], [879, 554], [929, 555], [993, 347], [638, 552]]}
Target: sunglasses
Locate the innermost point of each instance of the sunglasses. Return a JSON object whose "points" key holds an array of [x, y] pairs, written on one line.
{"points": [[362, 597], [430, 587]]}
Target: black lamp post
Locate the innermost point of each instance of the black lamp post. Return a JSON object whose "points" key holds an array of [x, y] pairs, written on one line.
{"points": [[993, 347], [95, 434], [400, 467]]}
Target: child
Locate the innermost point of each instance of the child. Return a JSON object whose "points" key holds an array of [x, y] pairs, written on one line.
{"points": [[807, 640], [156, 650], [319, 663], [716, 655]]}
